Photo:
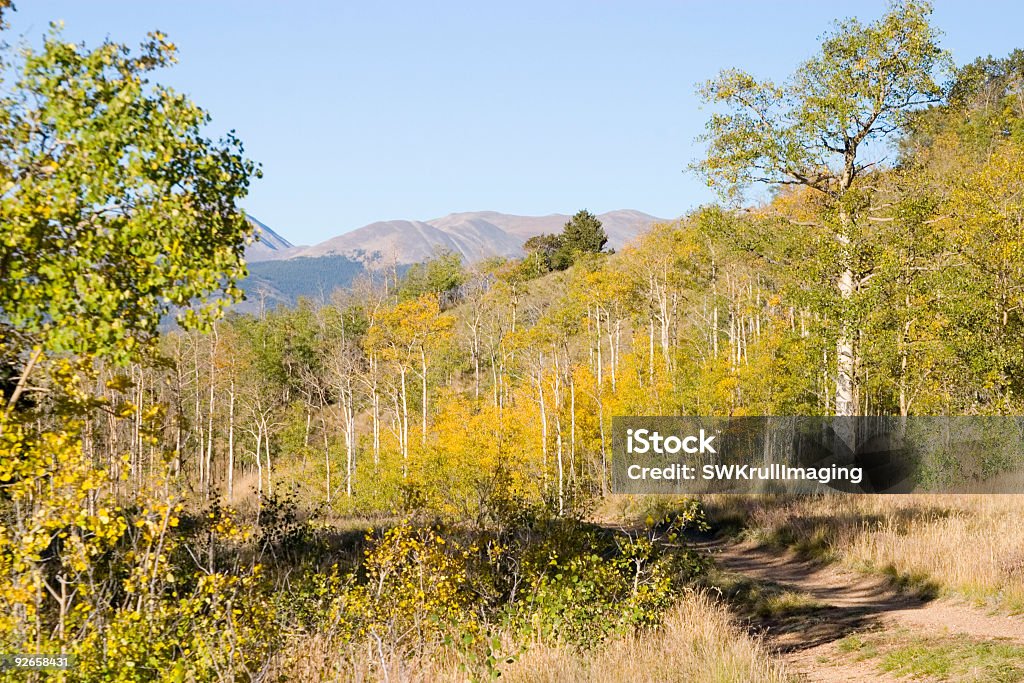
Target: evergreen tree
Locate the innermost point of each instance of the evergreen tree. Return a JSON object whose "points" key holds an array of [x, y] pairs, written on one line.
{"points": [[584, 234]]}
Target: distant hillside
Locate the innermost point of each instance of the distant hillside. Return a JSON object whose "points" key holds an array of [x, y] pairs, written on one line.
{"points": [[474, 236], [280, 272], [282, 281]]}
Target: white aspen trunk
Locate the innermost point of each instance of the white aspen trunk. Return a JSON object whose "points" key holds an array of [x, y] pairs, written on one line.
{"points": [[197, 386], [177, 443], [757, 314], [733, 354], [270, 465], [745, 330], [904, 402], [515, 310], [231, 440], [613, 351], [327, 456], [423, 366], [572, 424], [559, 449], [846, 399], [714, 330], [561, 473], [209, 421], [259, 462], [137, 428], [375, 400], [543, 421], [714, 308], [350, 439], [824, 364], [476, 359], [590, 347], [664, 329], [404, 426], [494, 381], [846, 389], [305, 437], [650, 355]]}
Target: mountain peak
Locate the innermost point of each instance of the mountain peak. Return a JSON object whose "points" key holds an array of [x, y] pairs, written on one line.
{"points": [[268, 245]]}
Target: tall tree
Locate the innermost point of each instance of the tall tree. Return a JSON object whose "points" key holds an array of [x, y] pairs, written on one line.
{"points": [[813, 129], [116, 210]]}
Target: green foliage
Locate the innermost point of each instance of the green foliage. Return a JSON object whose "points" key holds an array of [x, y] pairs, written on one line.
{"points": [[441, 275], [983, 110], [545, 253], [583, 234], [581, 585], [116, 211], [807, 131], [94, 155]]}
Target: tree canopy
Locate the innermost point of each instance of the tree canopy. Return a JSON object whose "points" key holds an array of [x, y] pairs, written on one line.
{"points": [[859, 88], [117, 210], [582, 234]]}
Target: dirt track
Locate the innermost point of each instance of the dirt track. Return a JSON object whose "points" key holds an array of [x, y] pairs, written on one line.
{"points": [[846, 603]]}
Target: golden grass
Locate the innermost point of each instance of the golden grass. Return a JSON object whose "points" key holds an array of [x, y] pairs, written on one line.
{"points": [[969, 544], [698, 642]]}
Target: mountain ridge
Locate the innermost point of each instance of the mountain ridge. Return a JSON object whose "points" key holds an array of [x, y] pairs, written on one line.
{"points": [[474, 235]]}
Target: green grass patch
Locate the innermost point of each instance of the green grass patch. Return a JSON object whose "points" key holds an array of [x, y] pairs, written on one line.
{"points": [[916, 583], [764, 599], [859, 646], [959, 659]]}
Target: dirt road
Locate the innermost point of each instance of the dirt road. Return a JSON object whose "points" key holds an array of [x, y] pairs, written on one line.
{"points": [[821, 605]]}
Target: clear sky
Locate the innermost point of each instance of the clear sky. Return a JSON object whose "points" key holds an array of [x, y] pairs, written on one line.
{"points": [[365, 111]]}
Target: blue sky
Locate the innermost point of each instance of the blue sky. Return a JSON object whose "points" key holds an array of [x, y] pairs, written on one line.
{"points": [[364, 111]]}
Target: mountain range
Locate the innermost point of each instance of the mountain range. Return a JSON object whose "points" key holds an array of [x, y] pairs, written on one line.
{"points": [[473, 235], [281, 271]]}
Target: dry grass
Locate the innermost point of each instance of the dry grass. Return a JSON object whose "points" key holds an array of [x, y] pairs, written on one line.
{"points": [[698, 642], [972, 545]]}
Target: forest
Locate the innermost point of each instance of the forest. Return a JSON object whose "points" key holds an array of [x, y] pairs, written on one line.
{"points": [[410, 479]]}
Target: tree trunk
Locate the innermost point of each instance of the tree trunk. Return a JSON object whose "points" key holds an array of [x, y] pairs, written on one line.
{"points": [[350, 439], [846, 362], [650, 354], [572, 424], [423, 367], [559, 450], [846, 389], [327, 454], [404, 426], [376, 411], [209, 420], [543, 421], [231, 441], [270, 466]]}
